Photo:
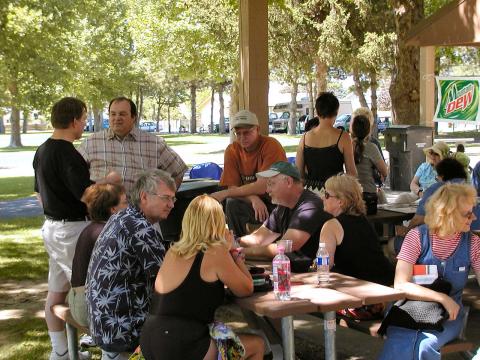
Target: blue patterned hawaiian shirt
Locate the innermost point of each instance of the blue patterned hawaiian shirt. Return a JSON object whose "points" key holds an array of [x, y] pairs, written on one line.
{"points": [[121, 278]]}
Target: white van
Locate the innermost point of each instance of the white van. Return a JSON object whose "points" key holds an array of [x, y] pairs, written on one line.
{"points": [[283, 110]]}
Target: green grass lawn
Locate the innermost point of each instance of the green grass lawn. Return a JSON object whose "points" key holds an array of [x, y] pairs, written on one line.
{"points": [[23, 277], [12, 188]]}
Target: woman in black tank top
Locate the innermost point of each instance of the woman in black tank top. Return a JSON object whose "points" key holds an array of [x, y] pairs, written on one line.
{"points": [[190, 286], [351, 240], [324, 150]]}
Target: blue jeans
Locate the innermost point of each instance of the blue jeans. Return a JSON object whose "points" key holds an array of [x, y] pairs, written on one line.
{"points": [[408, 344]]}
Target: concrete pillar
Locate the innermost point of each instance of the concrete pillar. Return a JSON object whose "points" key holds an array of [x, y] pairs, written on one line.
{"points": [[427, 85], [253, 89]]}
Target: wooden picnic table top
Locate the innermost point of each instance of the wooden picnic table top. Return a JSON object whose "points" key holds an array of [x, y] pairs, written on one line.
{"points": [[307, 296]]}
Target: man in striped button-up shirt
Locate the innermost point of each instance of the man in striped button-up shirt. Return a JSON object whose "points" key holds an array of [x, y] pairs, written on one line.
{"points": [[127, 149]]}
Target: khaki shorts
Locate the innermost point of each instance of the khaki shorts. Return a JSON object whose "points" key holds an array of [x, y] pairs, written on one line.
{"points": [[78, 305], [60, 239]]}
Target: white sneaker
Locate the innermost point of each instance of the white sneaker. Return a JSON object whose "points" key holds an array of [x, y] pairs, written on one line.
{"points": [[82, 355]]}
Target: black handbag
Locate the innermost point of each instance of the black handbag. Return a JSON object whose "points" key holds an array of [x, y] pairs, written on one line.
{"points": [[417, 314]]}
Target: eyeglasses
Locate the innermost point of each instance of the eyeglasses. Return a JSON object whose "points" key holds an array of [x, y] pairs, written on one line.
{"points": [[468, 215], [243, 132], [326, 195], [166, 198]]}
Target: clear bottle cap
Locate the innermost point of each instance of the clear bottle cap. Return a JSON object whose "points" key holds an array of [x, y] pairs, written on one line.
{"points": [[322, 244], [280, 249]]}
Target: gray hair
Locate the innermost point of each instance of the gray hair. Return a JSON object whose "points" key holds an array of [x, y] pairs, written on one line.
{"points": [[148, 182]]}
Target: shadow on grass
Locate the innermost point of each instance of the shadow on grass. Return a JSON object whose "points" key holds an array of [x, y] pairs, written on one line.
{"points": [[17, 187], [22, 253], [185, 142], [27, 339]]}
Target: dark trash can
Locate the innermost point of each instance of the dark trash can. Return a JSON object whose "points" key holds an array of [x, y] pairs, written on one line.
{"points": [[405, 144]]}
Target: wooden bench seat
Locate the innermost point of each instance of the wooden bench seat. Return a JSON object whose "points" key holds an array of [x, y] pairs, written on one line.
{"points": [[62, 311]]}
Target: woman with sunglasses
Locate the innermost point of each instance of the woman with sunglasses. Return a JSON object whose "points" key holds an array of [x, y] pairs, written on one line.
{"points": [[352, 242], [444, 241], [425, 176], [190, 286]]}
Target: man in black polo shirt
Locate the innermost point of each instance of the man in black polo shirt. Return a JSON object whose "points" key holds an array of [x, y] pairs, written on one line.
{"points": [[61, 177]]}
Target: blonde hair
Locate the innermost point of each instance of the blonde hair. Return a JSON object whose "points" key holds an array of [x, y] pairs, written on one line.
{"points": [[441, 213], [203, 226], [365, 112], [348, 189]]}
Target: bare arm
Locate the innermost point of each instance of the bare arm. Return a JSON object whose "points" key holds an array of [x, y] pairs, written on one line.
{"points": [[260, 237], [477, 275], [415, 185], [382, 168], [347, 148], [332, 235], [299, 160], [233, 273], [403, 282]]}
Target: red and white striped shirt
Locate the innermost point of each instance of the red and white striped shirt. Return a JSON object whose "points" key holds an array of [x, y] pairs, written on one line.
{"points": [[442, 248]]}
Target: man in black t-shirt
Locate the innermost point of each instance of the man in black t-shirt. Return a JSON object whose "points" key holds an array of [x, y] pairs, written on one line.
{"points": [[61, 177], [299, 215]]}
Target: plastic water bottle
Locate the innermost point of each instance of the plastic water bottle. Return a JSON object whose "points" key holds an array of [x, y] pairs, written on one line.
{"points": [[323, 268], [281, 275]]}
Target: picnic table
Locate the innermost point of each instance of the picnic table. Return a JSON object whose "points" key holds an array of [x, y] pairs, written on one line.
{"points": [[307, 297]]}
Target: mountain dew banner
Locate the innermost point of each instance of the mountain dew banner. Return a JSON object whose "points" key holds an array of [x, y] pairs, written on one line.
{"points": [[458, 99]]}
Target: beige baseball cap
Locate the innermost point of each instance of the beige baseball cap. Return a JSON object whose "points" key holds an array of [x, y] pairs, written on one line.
{"points": [[244, 118]]}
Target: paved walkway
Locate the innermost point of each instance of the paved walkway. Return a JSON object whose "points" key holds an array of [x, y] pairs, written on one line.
{"points": [[26, 207]]}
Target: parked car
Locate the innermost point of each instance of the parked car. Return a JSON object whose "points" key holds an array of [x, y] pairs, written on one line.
{"points": [[281, 123], [383, 122], [90, 126], [148, 126], [343, 122], [271, 117]]}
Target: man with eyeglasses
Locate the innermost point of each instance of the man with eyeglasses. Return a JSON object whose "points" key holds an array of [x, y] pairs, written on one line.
{"points": [[128, 150], [251, 152], [299, 215], [124, 265]]}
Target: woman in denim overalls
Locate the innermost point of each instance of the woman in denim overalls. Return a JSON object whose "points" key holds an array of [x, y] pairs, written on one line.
{"points": [[449, 213]]}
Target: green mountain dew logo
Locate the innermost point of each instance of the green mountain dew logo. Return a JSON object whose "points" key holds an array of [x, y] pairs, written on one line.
{"points": [[459, 100]]}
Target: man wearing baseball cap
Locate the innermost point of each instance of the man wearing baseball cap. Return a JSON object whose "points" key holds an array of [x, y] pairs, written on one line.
{"points": [[251, 152], [299, 215]]}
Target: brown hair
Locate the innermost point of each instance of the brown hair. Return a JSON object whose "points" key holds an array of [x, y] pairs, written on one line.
{"points": [[101, 198], [66, 110]]}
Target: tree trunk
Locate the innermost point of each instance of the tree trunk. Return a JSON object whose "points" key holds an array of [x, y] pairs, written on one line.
{"points": [[97, 119], [359, 88], [221, 122], [321, 76], [404, 89], [311, 99], [157, 115], [26, 114], [140, 106], [168, 120], [212, 102], [15, 137], [374, 107], [193, 108], [292, 122], [2, 125]]}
